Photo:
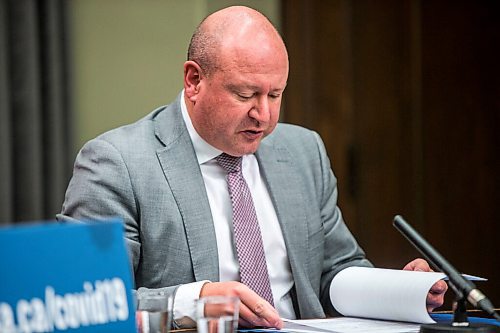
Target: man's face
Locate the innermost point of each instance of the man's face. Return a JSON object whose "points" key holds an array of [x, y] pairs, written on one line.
{"points": [[239, 104]]}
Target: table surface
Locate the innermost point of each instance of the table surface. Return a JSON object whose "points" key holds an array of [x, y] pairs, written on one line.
{"points": [[475, 316]]}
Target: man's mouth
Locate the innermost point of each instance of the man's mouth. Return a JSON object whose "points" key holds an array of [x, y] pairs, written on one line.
{"points": [[252, 134]]}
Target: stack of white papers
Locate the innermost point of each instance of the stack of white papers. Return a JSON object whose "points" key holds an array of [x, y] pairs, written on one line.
{"points": [[348, 325], [375, 300]]}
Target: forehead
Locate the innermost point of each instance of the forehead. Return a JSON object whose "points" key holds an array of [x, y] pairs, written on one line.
{"points": [[250, 65]]}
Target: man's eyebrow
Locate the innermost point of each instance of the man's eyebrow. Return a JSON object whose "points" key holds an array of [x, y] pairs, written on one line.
{"points": [[235, 87], [238, 87]]}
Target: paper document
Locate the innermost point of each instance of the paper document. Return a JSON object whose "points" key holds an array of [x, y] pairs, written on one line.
{"points": [[470, 278], [383, 293], [348, 325], [375, 300]]}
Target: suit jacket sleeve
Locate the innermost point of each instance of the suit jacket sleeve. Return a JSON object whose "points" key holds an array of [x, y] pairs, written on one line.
{"points": [[101, 188]]}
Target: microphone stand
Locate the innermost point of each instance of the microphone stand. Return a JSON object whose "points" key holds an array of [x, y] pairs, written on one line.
{"points": [[463, 288]]}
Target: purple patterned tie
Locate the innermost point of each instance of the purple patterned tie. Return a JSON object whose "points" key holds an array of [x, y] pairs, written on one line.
{"points": [[247, 235]]}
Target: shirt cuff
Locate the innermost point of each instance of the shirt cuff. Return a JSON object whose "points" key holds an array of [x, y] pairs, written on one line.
{"points": [[184, 304]]}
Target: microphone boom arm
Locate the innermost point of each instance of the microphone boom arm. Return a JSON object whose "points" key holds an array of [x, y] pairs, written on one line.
{"points": [[463, 287]]}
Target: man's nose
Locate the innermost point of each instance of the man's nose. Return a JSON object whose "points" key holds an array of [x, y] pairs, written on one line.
{"points": [[260, 110]]}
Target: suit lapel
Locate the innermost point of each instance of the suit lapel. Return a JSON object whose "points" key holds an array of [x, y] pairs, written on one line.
{"points": [[283, 182], [182, 172]]}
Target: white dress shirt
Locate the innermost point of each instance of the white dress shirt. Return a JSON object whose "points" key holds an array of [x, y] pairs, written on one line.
{"points": [[278, 266]]}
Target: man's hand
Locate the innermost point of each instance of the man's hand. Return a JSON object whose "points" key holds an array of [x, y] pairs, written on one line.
{"points": [[435, 297], [254, 310]]}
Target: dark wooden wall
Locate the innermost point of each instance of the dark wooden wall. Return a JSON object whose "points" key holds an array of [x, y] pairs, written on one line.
{"points": [[406, 96]]}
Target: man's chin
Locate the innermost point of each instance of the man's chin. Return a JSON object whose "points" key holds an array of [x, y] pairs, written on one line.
{"points": [[247, 150]]}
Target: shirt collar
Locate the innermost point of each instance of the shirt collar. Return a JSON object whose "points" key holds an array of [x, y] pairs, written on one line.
{"points": [[204, 151]]}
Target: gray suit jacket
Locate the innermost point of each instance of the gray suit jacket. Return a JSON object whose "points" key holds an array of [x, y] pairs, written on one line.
{"points": [[147, 173]]}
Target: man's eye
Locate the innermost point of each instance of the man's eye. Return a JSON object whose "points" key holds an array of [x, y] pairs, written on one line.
{"points": [[274, 96], [245, 96]]}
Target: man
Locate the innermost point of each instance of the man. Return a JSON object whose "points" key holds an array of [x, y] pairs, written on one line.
{"points": [[164, 177]]}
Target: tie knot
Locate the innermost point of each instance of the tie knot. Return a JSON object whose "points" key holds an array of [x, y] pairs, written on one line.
{"points": [[229, 163]]}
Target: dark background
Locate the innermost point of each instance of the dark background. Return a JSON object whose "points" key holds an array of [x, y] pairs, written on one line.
{"points": [[406, 96]]}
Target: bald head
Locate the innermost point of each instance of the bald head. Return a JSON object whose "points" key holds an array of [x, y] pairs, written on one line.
{"points": [[234, 29]]}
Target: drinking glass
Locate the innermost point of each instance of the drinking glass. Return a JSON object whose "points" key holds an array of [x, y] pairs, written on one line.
{"points": [[217, 314], [154, 312]]}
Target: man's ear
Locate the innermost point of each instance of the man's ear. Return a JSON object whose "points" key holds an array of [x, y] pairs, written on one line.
{"points": [[192, 79]]}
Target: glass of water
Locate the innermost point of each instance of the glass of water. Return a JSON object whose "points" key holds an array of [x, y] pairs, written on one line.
{"points": [[217, 314], [154, 312]]}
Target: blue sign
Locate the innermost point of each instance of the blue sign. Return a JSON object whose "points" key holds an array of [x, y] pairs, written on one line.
{"points": [[65, 278]]}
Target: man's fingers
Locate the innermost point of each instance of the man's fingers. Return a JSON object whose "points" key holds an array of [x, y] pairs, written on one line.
{"points": [[252, 317], [418, 265], [259, 312], [243, 323], [435, 297], [254, 310], [439, 287], [434, 301]]}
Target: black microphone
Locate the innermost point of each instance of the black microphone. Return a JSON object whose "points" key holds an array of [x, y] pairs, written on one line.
{"points": [[464, 287]]}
